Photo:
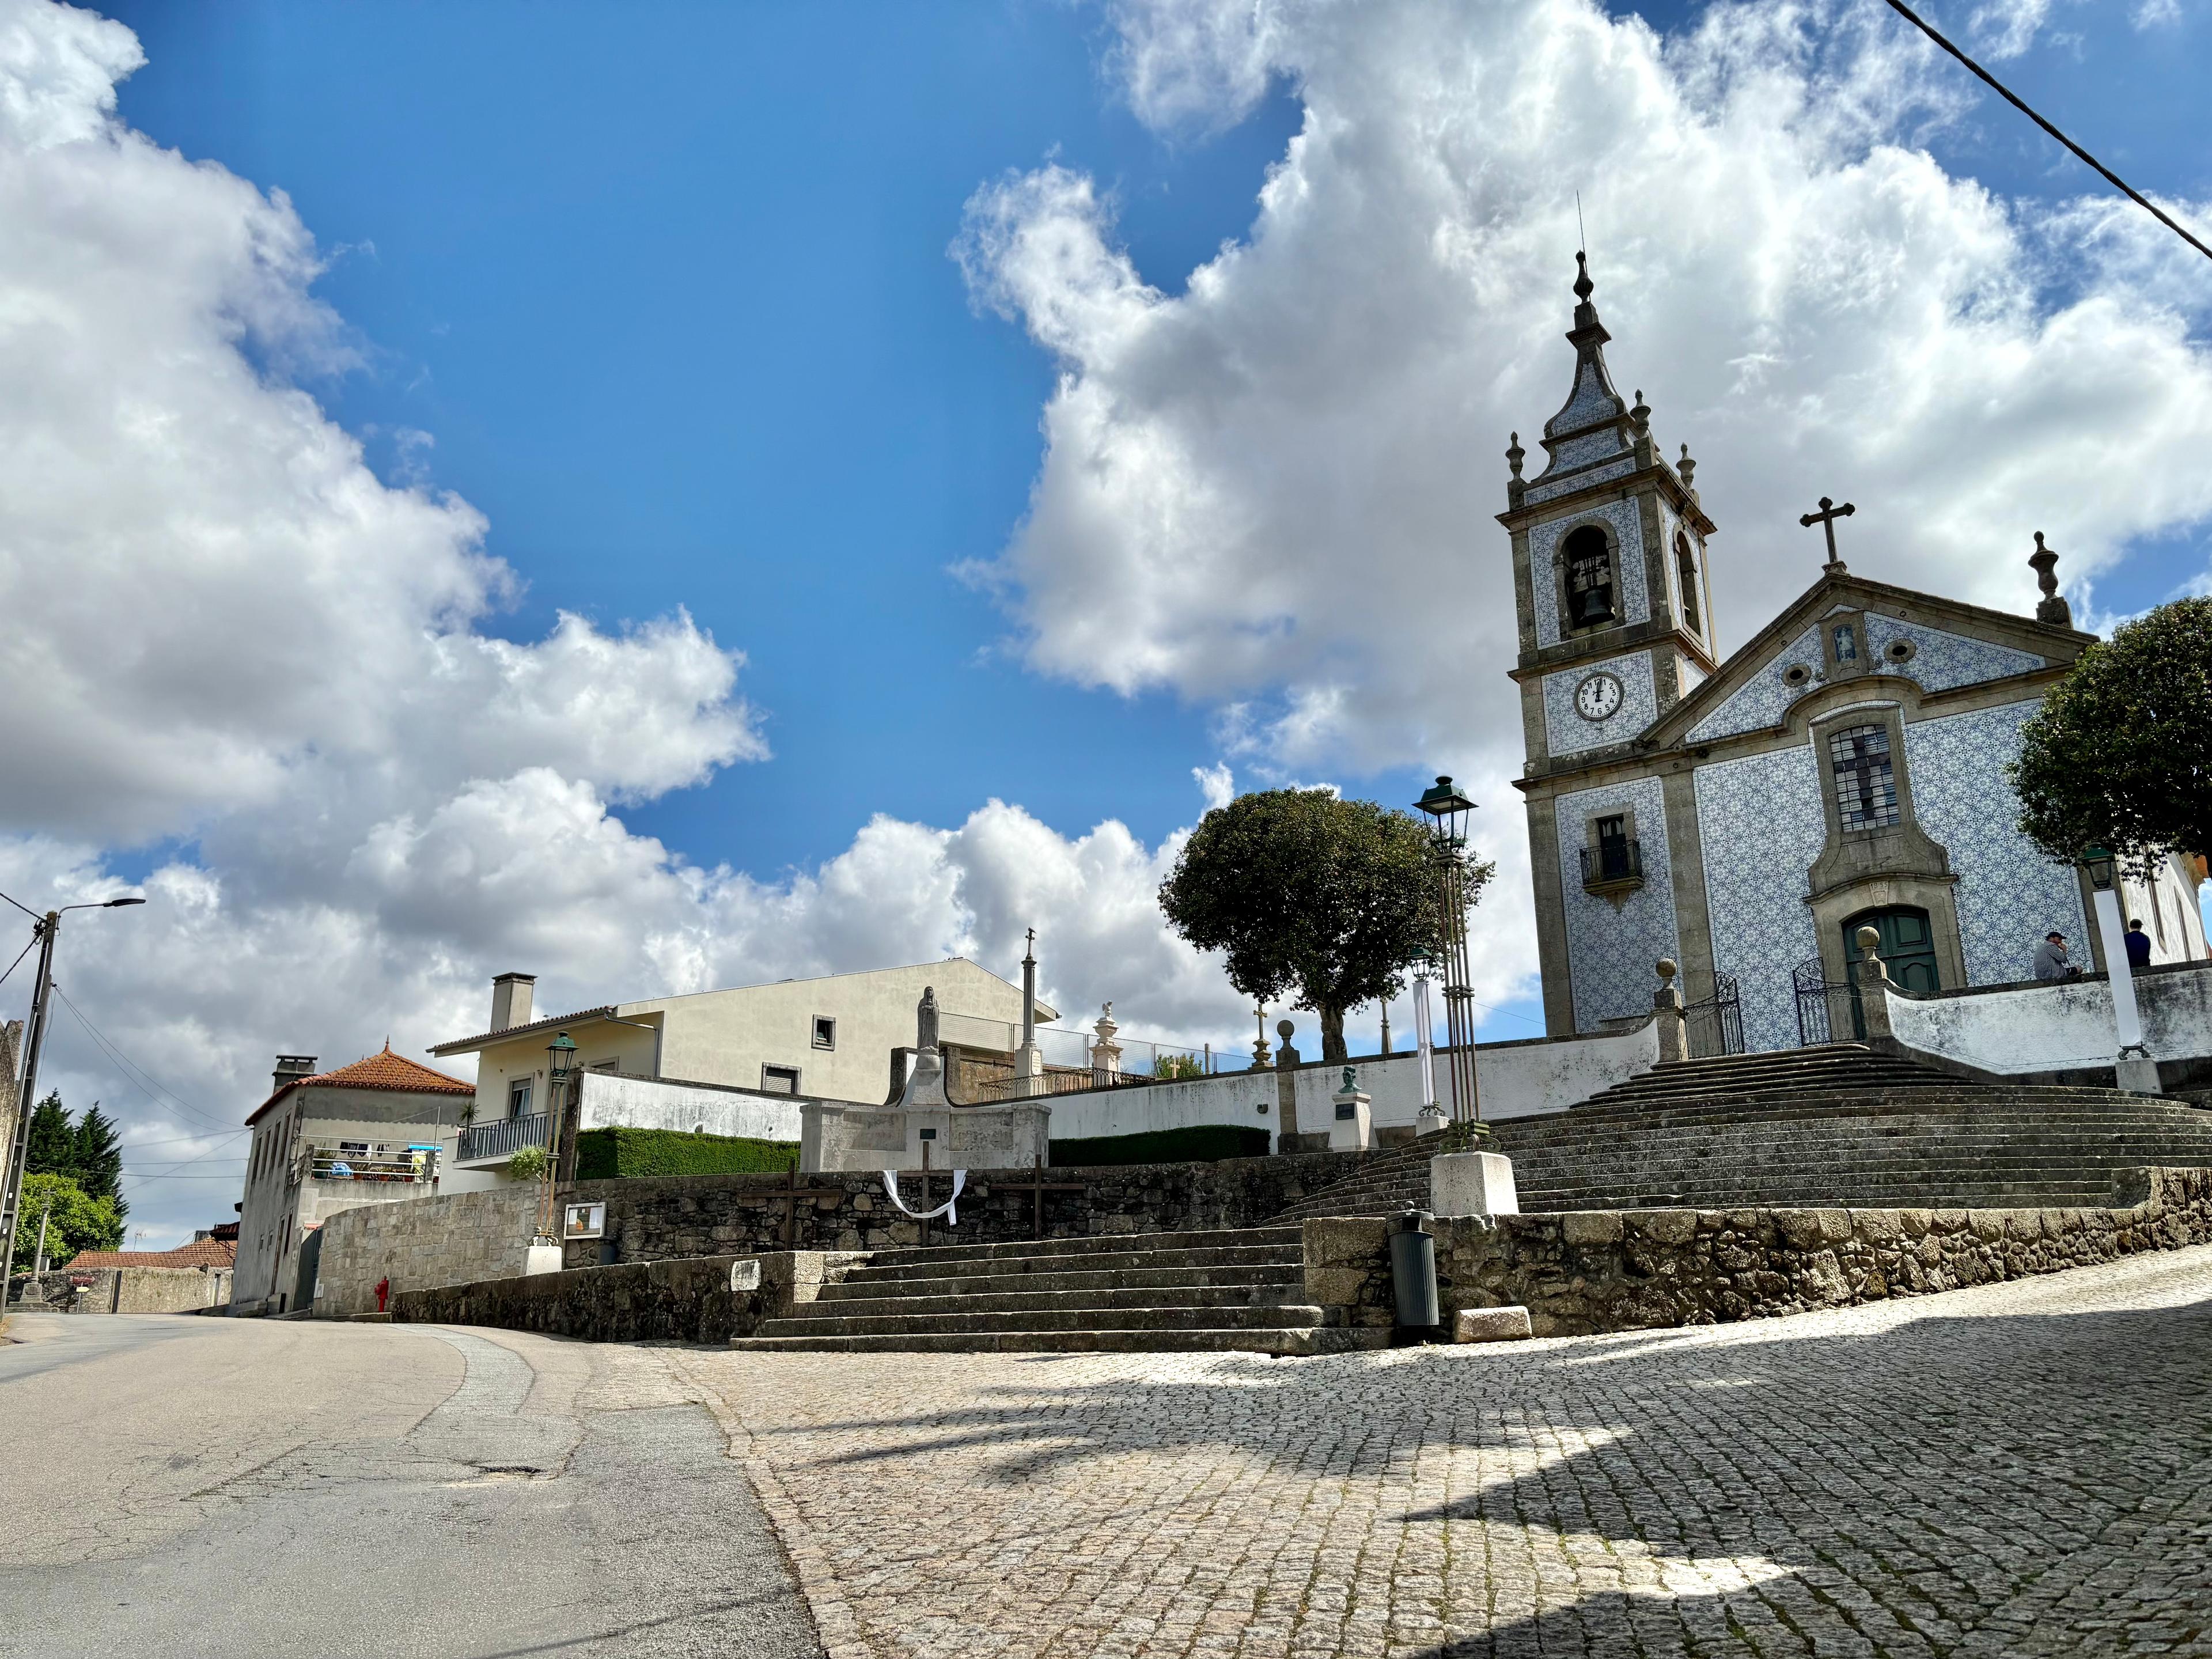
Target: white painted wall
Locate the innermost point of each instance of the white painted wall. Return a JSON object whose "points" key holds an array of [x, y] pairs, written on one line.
{"points": [[1515, 1079], [637, 1102], [2058, 1026]]}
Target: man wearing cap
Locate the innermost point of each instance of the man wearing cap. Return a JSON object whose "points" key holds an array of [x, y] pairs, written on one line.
{"points": [[2050, 961]]}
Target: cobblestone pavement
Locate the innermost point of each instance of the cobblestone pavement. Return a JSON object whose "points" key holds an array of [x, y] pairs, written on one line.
{"points": [[2019, 1469]]}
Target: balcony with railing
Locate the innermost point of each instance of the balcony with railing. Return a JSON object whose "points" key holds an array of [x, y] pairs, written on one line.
{"points": [[337, 1162], [501, 1139], [1612, 867]]}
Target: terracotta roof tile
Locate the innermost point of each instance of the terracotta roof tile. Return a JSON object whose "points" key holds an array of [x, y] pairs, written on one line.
{"points": [[379, 1071], [201, 1253]]}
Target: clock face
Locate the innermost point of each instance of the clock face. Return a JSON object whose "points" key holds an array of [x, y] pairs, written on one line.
{"points": [[1597, 697]]}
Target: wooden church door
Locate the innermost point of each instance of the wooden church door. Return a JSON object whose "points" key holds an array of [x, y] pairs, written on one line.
{"points": [[1907, 948]]}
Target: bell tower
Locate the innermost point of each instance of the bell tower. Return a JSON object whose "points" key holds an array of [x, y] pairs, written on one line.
{"points": [[1609, 574]]}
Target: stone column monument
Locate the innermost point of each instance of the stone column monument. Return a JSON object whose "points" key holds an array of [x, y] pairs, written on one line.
{"points": [[1029, 1060]]}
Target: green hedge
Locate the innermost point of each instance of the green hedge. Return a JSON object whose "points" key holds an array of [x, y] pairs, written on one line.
{"points": [[606, 1154], [1202, 1143]]}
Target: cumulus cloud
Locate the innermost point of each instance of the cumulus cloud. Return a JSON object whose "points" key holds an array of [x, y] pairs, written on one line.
{"points": [[1273, 493]]}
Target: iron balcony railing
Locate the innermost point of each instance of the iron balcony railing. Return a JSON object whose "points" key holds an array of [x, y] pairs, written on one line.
{"points": [[332, 1162], [1611, 861], [501, 1137]]}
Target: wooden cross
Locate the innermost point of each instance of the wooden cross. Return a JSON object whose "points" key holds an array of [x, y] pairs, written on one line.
{"points": [[789, 1198], [1826, 518], [1037, 1187]]}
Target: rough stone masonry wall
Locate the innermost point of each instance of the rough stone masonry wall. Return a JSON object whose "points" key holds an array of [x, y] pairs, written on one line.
{"points": [[421, 1242], [122, 1290], [1618, 1270], [682, 1216]]}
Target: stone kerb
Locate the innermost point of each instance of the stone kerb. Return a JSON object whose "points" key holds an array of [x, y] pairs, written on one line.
{"points": [[1582, 1272]]}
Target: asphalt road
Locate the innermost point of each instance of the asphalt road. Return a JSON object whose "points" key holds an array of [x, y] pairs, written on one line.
{"points": [[223, 1489]]}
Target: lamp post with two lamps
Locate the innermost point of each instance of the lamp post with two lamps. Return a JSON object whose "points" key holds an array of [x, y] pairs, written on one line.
{"points": [[2133, 1067], [45, 930]]}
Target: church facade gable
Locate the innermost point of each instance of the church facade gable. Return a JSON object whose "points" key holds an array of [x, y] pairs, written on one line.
{"points": [[1759, 703], [1937, 661]]}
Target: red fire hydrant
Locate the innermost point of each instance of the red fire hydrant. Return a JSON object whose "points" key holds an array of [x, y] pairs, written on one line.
{"points": [[383, 1290]]}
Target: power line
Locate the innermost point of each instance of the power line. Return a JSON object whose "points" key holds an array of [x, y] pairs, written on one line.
{"points": [[135, 1074], [2007, 93], [18, 962]]}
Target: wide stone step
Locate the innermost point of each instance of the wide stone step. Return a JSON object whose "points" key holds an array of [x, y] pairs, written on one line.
{"points": [[1071, 1281], [1308, 1341], [923, 1303], [927, 1265], [1202, 1239], [1266, 1317]]}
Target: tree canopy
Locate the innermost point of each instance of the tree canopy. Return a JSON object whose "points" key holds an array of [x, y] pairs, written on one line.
{"points": [[1317, 900], [75, 1221], [89, 1153], [2120, 754]]}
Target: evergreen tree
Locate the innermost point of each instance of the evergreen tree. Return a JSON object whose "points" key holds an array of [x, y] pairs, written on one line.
{"points": [[52, 1150], [100, 1159]]}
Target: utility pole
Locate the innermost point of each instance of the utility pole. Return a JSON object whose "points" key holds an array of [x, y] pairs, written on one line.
{"points": [[44, 929], [34, 1039]]}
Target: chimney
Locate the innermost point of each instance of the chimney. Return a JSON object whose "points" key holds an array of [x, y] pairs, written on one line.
{"points": [[510, 999], [290, 1068]]}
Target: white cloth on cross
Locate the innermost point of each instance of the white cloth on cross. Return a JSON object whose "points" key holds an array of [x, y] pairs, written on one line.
{"points": [[951, 1216]]}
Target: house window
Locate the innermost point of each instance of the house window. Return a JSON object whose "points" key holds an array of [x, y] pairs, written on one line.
{"points": [[1589, 577], [518, 1097], [1612, 845], [825, 1031], [1866, 788], [1847, 643], [1685, 567], [780, 1080]]}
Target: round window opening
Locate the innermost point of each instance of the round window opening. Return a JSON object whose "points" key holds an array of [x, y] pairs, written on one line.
{"points": [[1900, 650], [1798, 674]]}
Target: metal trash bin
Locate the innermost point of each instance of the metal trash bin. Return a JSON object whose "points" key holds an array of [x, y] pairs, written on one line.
{"points": [[1414, 1277]]}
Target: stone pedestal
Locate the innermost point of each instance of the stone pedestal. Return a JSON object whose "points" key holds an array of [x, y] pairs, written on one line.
{"points": [[1429, 1120], [833, 1136], [1492, 1325], [2137, 1074], [1352, 1123], [542, 1259], [1472, 1184]]}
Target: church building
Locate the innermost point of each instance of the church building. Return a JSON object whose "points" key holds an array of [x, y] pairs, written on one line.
{"points": [[1745, 816]]}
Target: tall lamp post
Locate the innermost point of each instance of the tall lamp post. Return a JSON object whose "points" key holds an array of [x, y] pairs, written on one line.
{"points": [[43, 931], [1447, 810], [2132, 1065], [560, 1071]]}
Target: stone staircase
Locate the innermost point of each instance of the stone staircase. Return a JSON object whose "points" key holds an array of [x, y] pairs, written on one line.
{"points": [[1837, 1125], [1240, 1288], [1841, 1125]]}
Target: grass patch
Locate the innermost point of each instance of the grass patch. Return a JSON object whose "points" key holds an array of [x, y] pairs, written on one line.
{"points": [[1200, 1142], [613, 1154]]}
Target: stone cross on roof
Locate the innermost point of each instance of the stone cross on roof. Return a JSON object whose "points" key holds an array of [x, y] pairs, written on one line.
{"points": [[1826, 518]]}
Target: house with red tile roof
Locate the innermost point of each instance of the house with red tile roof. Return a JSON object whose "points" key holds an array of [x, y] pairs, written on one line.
{"points": [[380, 1131], [200, 1252]]}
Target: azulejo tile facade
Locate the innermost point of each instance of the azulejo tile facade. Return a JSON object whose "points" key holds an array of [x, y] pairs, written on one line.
{"points": [[1757, 706], [1560, 484], [2009, 894], [1621, 519], [1612, 947], [1566, 732], [1942, 661], [1760, 821]]}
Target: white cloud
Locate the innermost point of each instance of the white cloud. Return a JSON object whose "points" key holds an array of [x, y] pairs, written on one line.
{"points": [[1273, 493]]}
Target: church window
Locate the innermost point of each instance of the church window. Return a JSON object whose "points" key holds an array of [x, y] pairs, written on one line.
{"points": [[1685, 566], [1866, 788], [1590, 579], [1847, 643]]}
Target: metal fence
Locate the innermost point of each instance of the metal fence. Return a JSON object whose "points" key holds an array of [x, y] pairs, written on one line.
{"points": [[1714, 1023], [331, 1162], [1826, 1011], [1069, 1046], [501, 1138]]}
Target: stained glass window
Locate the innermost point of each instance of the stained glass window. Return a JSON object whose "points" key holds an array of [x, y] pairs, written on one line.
{"points": [[1866, 788]]}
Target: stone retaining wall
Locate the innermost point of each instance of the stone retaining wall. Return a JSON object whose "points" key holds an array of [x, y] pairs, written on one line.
{"points": [[692, 1301], [685, 1216], [421, 1242], [1618, 1270], [122, 1290]]}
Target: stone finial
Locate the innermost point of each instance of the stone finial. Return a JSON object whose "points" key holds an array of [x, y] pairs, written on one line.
{"points": [[1514, 454], [1688, 469], [1583, 287], [1105, 1053], [1868, 941], [1667, 970], [1640, 412], [1285, 1030], [2051, 608]]}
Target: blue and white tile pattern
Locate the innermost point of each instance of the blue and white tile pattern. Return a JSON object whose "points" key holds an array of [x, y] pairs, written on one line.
{"points": [[1566, 732], [1611, 951], [1761, 825]]}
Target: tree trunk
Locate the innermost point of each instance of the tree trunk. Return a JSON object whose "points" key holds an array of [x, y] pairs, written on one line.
{"points": [[1333, 1051]]}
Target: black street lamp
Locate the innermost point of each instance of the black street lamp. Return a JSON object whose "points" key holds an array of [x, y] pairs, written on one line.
{"points": [[1448, 811]]}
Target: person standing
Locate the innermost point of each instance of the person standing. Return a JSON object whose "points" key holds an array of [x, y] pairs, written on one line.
{"points": [[2138, 945]]}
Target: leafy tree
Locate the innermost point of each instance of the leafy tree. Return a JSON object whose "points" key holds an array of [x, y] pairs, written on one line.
{"points": [[99, 1167], [2120, 754], [52, 1149], [1318, 899], [75, 1221]]}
